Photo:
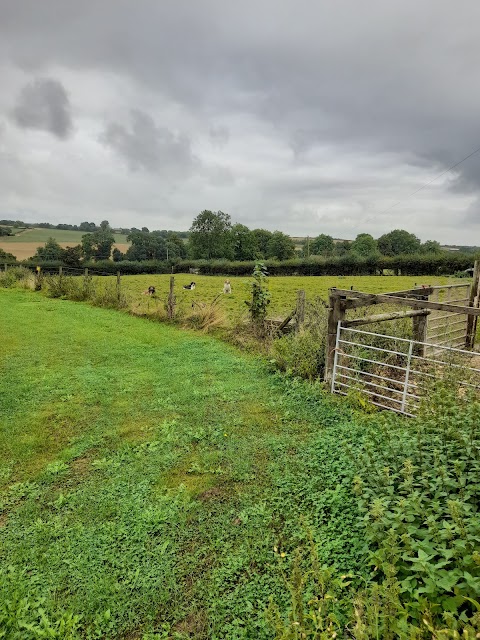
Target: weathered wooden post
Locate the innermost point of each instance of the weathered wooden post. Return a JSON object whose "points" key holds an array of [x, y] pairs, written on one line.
{"points": [[474, 301], [5, 266], [171, 300], [300, 312], [38, 279], [419, 333], [336, 313], [119, 291]]}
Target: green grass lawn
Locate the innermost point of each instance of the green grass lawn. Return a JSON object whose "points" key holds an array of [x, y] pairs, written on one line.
{"points": [[147, 474], [283, 289], [42, 235]]}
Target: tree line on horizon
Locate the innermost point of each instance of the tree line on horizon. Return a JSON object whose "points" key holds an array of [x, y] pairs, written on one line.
{"points": [[213, 236]]}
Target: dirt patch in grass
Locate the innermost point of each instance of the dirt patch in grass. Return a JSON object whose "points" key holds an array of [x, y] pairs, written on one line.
{"points": [[195, 625], [218, 494]]}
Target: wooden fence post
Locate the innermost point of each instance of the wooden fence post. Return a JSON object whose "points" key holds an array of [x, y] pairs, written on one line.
{"points": [[5, 266], [300, 314], [38, 279], [119, 291], [473, 302], [336, 313], [171, 300], [419, 334]]}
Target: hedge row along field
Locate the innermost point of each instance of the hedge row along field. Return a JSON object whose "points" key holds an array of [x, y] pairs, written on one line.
{"points": [[431, 264], [155, 483]]}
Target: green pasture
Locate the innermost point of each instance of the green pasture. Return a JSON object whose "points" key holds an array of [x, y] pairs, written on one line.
{"points": [[147, 474], [157, 484], [41, 235], [283, 289]]}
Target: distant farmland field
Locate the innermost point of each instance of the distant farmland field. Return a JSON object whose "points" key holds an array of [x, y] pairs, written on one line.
{"points": [[24, 244]]}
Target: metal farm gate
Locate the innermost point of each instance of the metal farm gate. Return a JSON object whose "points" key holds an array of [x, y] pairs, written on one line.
{"points": [[395, 373], [446, 328]]}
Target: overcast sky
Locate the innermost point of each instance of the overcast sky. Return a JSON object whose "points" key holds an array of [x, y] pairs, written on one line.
{"points": [[308, 116]]}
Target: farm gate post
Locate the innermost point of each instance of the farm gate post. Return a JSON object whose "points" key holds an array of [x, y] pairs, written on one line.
{"points": [[473, 302], [336, 313], [300, 311], [171, 299], [419, 330]]}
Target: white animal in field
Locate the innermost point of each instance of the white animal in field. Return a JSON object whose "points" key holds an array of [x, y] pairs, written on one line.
{"points": [[227, 287]]}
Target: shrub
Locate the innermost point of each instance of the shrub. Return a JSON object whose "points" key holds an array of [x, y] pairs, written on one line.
{"points": [[258, 305], [13, 276], [205, 316], [303, 353], [109, 296]]}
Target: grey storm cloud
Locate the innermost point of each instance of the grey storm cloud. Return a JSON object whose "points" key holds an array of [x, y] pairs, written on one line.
{"points": [[43, 104], [358, 80], [144, 145]]}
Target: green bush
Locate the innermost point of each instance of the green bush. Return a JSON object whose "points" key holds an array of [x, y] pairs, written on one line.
{"points": [[419, 489], [303, 353], [13, 276]]}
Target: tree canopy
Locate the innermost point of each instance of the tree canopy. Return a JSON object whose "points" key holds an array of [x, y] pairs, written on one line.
{"points": [[210, 236], [322, 245], [364, 245], [397, 242]]}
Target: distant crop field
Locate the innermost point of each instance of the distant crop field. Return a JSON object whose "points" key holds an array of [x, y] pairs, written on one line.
{"points": [[25, 243], [283, 289]]}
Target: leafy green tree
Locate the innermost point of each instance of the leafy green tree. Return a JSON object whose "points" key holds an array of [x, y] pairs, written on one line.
{"points": [[280, 246], [177, 249], [72, 256], [431, 246], [51, 251], [146, 245], [7, 257], [87, 226], [98, 245], [5, 231], [244, 243], [117, 255], [322, 245], [364, 245], [398, 242], [261, 237], [210, 236], [342, 248]]}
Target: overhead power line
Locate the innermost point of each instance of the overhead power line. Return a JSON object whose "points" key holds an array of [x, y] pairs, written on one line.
{"points": [[430, 181]]}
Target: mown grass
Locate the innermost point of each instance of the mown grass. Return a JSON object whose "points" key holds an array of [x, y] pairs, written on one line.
{"points": [[144, 471], [157, 484]]}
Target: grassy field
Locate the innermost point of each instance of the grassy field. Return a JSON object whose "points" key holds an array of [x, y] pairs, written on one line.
{"points": [[148, 474], [155, 483], [283, 289], [24, 244]]}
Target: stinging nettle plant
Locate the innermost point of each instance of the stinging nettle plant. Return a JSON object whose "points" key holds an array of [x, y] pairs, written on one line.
{"points": [[260, 294]]}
